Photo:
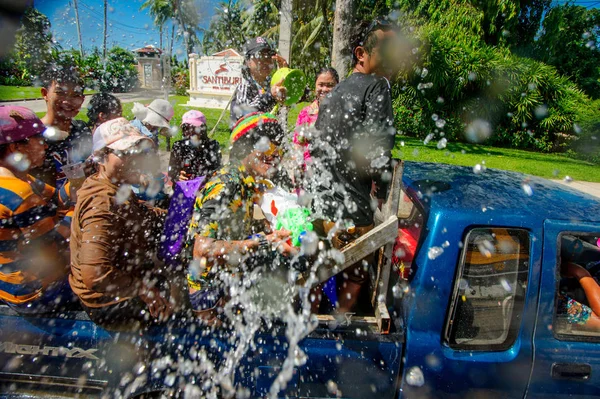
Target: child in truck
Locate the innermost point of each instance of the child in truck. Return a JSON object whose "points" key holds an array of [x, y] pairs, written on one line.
{"points": [[195, 155]]}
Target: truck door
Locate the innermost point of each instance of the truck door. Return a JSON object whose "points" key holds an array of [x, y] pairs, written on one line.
{"points": [[470, 329], [567, 337]]}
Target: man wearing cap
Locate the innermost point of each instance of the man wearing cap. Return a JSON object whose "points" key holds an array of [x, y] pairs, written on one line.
{"points": [[257, 93], [195, 155], [153, 119], [352, 146], [223, 231], [34, 255], [114, 236]]}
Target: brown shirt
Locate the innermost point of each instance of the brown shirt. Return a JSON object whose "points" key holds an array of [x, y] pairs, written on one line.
{"points": [[113, 245]]}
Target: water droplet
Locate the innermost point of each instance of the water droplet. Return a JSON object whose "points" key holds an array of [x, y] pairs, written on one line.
{"points": [[541, 111], [415, 377], [429, 137], [568, 179], [478, 131], [442, 143], [18, 161], [332, 388], [477, 169], [527, 189], [434, 252], [440, 123]]}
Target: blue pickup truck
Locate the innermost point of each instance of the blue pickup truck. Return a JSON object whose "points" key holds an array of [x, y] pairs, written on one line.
{"points": [[466, 303]]}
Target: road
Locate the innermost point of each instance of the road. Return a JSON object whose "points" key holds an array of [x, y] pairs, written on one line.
{"points": [[40, 105]]}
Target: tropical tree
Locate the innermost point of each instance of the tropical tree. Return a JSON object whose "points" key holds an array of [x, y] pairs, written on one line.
{"points": [[464, 88], [226, 28], [569, 41], [32, 50], [162, 11]]}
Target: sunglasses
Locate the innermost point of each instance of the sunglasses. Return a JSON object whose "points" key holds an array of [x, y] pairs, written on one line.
{"points": [[376, 24]]}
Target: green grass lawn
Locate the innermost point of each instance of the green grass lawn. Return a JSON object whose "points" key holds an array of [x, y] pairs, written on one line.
{"points": [[551, 166], [15, 93]]}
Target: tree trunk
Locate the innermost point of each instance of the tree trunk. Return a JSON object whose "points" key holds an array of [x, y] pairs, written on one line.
{"points": [[105, 33], [342, 30], [160, 37], [172, 37]]}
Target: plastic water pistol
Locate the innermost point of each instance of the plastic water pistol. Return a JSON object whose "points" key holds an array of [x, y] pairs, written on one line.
{"points": [[295, 220]]}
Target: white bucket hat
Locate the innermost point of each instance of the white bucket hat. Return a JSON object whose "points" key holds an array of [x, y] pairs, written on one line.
{"points": [[159, 113]]}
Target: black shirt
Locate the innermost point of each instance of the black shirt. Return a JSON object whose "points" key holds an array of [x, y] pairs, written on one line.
{"points": [[76, 147], [201, 160], [352, 149]]}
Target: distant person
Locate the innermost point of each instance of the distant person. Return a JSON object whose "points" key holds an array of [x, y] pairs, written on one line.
{"points": [[195, 155], [327, 79], [115, 237], [34, 254], [103, 107], [69, 140], [256, 92], [352, 148], [577, 312], [153, 119]]}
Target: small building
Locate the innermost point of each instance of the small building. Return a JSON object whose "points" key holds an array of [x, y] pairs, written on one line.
{"points": [[213, 79], [148, 66]]}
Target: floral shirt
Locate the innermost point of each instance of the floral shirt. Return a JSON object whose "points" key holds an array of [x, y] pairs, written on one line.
{"points": [[576, 312], [224, 210]]}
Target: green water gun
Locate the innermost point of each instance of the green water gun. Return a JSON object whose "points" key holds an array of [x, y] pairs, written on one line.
{"points": [[296, 220]]}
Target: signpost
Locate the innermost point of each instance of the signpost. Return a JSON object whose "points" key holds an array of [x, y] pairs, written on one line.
{"points": [[213, 79]]}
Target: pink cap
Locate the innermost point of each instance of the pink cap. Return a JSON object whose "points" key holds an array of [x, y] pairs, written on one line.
{"points": [[18, 123], [117, 134], [194, 118]]}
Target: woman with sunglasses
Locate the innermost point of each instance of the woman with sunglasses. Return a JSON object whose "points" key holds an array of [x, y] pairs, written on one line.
{"points": [[114, 236], [257, 93]]}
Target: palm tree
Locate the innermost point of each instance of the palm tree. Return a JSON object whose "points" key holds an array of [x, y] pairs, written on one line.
{"points": [[162, 11]]}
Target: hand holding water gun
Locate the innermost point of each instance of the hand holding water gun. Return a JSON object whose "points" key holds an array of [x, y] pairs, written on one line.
{"points": [[282, 211], [297, 221]]}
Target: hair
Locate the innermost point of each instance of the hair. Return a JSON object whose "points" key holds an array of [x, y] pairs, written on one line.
{"points": [[330, 70], [358, 39], [102, 102], [61, 73]]}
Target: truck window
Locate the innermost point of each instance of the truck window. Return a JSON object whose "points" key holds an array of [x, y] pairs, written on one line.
{"points": [[576, 311], [489, 290]]}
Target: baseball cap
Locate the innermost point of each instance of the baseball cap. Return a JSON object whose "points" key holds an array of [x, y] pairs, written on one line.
{"points": [[159, 113], [18, 123], [257, 45], [194, 118], [117, 134]]}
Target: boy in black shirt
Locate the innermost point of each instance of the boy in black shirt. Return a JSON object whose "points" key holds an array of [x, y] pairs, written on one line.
{"points": [[352, 148], [195, 155], [69, 140]]}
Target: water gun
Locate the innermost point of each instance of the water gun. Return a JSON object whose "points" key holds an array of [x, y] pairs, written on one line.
{"points": [[297, 221]]}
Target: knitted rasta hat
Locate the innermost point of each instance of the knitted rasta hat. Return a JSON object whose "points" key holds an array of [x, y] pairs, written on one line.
{"points": [[250, 129]]}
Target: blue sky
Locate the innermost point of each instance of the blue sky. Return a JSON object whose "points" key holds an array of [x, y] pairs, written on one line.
{"points": [[128, 27]]}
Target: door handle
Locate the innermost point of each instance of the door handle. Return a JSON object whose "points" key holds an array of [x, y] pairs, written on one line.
{"points": [[571, 371]]}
